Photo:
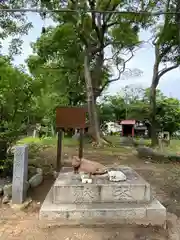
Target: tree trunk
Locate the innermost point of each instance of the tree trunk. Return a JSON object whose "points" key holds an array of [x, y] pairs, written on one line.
{"points": [[92, 111], [97, 74], [154, 138], [155, 81]]}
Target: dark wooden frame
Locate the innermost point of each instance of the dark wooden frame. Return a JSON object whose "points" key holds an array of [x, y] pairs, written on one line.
{"points": [[80, 123]]}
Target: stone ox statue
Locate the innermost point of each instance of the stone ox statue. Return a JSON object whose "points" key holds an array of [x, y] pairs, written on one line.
{"points": [[87, 166]]}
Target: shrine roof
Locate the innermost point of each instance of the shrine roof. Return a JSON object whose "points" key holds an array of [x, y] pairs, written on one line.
{"points": [[128, 122]]}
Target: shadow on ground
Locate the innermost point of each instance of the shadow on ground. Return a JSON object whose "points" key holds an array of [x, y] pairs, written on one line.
{"points": [[39, 193]]}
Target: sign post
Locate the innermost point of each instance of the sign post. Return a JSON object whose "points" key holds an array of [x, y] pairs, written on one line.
{"points": [[69, 117]]}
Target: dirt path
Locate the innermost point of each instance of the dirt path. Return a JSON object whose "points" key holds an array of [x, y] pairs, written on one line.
{"points": [[25, 226]]}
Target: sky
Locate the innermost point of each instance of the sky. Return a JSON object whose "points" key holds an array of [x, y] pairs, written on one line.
{"points": [[143, 60]]}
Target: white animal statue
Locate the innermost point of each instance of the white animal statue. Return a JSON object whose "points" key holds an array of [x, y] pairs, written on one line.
{"points": [[116, 176]]}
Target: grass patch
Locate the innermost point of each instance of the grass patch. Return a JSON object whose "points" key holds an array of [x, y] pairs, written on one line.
{"points": [[47, 141], [29, 140], [116, 148], [37, 145], [174, 146]]}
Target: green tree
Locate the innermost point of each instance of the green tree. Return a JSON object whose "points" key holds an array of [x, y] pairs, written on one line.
{"points": [[167, 52], [94, 33], [106, 113], [168, 114], [13, 24], [45, 99], [112, 109], [115, 108], [57, 60], [16, 89], [127, 104]]}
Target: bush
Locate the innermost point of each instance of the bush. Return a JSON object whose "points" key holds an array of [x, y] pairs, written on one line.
{"points": [[3, 149], [173, 158], [6, 167], [34, 149]]}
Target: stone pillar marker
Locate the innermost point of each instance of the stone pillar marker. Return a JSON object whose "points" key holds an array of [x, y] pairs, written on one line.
{"points": [[20, 174]]}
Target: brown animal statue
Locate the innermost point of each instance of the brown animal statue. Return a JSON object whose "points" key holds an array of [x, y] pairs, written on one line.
{"points": [[87, 166]]}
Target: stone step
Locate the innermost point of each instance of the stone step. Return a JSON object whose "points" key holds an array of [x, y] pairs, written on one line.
{"points": [[69, 189], [103, 213]]}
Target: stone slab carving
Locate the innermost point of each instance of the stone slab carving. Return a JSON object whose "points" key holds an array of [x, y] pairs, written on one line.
{"points": [[20, 174], [103, 213], [69, 188]]}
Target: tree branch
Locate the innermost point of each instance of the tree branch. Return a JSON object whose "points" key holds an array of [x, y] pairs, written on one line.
{"points": [[164, 71], [76, 29], [111, 58], [111, 24], [93, 15], [110, 14], [120, 71], [106, 7], [166, 51]]}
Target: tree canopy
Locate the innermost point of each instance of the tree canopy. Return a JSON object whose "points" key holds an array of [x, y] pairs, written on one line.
{"points": [[115, 108], [77, 46], [13, 25], [167, 52], [16, 89], [70, 66]]}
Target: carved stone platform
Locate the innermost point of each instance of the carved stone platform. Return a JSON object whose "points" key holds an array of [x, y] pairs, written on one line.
{"points": [[102, 202], [68, 188]]}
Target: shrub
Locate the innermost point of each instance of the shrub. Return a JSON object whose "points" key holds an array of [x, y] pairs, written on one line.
{"points": [[6, 167]]}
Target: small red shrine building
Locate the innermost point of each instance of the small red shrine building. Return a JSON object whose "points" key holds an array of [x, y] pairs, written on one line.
{"points": [[128, 127]]}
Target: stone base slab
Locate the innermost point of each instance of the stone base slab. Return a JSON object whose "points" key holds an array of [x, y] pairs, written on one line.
{"points": [[68, 188], [103, 213]]}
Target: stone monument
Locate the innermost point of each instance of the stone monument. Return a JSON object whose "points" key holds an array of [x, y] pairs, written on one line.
{"points": [[20, 174], [102, 200]]}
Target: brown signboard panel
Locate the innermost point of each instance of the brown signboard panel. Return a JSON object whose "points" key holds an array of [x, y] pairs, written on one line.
{"points": [[71, 117]]}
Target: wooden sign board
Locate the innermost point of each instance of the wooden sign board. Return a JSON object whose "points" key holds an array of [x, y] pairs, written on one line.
{"points": [[71, 117]]}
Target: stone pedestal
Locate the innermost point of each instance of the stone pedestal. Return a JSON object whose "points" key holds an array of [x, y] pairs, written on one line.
{"points": [[102, 202], [20, 174], [69, 189]]}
